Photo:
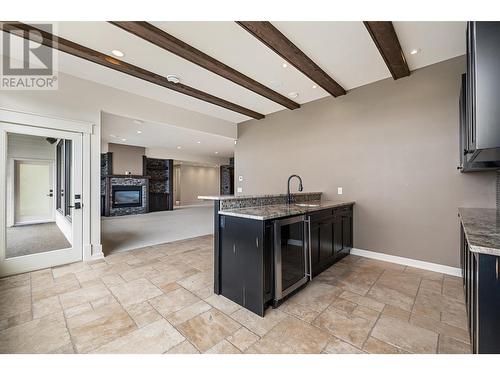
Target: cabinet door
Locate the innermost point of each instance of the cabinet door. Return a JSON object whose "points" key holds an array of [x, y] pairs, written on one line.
{"points": [[488, 304], [346, 231], [326, 253], [337, 233], [315, 241], [230, 277]]}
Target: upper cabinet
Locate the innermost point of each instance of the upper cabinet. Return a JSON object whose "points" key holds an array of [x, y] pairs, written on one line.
{"points": [[479, 99]]}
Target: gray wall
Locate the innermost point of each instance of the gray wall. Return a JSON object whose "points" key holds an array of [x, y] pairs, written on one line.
{"points": [[391, 145], [126, 158], [197, 180]]}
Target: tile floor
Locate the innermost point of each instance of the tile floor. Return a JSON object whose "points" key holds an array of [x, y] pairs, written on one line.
{"points": [[159, 299]]}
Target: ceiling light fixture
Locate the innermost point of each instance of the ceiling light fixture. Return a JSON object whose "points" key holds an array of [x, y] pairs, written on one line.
{"points": [[139, 131], [112, 136], [198, 142], [173, 78], [285, 64], [216, 152], [293, 94], [314, 86], [124, 139], [414, 51], [117, 53], [179, 147]]}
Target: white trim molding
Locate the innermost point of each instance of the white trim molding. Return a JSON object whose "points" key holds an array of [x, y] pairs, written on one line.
{"points": [[408, 262]]}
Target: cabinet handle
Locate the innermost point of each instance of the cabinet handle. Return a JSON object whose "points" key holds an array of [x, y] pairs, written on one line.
{"points": [[257, 241], [308, 222], [496, 268], [234, 248]]}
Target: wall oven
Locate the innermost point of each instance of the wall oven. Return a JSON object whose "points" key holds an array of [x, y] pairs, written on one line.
{"points": [[291, 255]]}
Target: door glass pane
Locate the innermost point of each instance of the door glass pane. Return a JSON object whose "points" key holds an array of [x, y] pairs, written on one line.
{"points": [[292, 254], [33, 224]]}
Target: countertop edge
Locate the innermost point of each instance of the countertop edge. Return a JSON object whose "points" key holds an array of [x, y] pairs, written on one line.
{"points": [[234, 197], [476, 248], [234, 212]]}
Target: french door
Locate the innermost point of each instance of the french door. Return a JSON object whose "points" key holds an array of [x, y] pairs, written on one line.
{"points": [[40, 198]]}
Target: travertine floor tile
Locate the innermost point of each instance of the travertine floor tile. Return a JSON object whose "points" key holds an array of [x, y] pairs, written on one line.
{"points": [[301, 312], [188, 312], [184, 347], [348, 327], [243, 338], [14, 301], [375, 346], [16, 320], [448, 345], [316, 296], [403, 282], [83, 295], [92, 329], [257, 324], [15, 281], [46, 306], [42, 335], [208, 329], [76, 310], [143, 313], [292, 336], [428, 275], [223, 304], [396, 312], [135, 291], [155, 338], [405, 336], [391, 296], [69, 269], [223, 347], [173, 301], [362, 300], [337, 346], [440, 327]]}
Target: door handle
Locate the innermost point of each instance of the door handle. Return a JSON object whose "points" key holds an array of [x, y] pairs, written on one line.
{"points": [[77, 206]]}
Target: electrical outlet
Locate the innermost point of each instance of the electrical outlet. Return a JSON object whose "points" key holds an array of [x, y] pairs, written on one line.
{"points": [[339, 191], [240, 189], [240, 178]]}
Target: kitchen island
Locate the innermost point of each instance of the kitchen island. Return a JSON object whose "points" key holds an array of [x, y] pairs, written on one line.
{"points": [[266, 249]]}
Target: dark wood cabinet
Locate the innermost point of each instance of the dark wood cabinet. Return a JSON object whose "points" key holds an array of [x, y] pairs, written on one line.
{"points": [[246, 262], [331, 237], [480, 88], [482, 296]]}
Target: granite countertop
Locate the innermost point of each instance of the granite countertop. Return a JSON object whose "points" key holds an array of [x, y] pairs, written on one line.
{"points": [[482, 229], [228, 197], [274, 211]]}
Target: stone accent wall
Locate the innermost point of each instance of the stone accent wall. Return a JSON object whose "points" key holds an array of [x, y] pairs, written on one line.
{"points": [[271, 199], [225, 179], [129, 181]]}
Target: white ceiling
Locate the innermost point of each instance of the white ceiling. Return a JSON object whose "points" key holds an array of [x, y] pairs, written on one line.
{"points": [[343, 49], [123, 130]]}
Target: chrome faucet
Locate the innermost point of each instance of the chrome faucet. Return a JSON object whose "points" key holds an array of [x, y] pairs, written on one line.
{"points": [[289, 196]]}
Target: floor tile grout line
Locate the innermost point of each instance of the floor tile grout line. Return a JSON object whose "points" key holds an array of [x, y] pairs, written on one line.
{"points": [[67, 326]]}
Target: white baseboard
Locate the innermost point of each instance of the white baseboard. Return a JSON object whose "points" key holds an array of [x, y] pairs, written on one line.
{"points": [[408, 262]]}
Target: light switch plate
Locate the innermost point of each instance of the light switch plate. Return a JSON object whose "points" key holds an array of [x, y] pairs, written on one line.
{"points": [[339, 191], [240, 178], [239, 190]]}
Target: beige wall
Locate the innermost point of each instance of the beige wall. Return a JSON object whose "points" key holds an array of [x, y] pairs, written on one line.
{"points": [[392, 146], [126, 158], [197, 180]]}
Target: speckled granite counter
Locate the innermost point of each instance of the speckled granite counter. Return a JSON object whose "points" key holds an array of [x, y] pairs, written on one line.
{"points": [[229, 202], [274, 211], [482, 229]]}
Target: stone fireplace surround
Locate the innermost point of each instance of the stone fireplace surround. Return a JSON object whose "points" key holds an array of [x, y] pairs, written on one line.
{"points": [[126, 180]]}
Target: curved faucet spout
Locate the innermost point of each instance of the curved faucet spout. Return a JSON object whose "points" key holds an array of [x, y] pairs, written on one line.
{"points": [[289, 196]]}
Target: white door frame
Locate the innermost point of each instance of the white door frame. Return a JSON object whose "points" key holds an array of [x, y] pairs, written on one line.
{"points": [[39, 126], [14, 186]]}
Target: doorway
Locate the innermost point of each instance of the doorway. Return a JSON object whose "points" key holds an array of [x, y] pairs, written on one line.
{"points": [[40, 197]]}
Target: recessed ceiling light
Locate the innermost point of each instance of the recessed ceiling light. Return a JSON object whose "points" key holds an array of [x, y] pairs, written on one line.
{"points": [[173, 78], [414, 51], [124, 139], [285, 64], [112, 136], [314, 86], [216, 152], [117, 53], [198, 142], [235, 141], [138, 122], [179, 147], [139, 131], [293, 94]]}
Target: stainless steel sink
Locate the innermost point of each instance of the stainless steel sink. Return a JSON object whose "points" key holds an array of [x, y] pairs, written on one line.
{"points": [[307, 204]]}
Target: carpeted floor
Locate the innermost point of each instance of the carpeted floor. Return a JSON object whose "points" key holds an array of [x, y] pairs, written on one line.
{"points": [[135, 231], [33, 239]]}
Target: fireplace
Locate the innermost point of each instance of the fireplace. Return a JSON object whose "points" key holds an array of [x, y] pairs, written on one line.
{"points": [[126, 196]]}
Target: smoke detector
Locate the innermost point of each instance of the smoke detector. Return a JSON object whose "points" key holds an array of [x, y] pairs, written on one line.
{"points": [[173, 78]]}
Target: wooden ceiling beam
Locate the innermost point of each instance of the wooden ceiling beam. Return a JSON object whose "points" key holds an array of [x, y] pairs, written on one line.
{"points": [[67, 46], [176, 46], [275, 40], [385, 38]]}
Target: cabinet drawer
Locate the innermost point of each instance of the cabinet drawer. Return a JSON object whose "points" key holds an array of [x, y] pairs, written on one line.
{"points": [[320, 215]]}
